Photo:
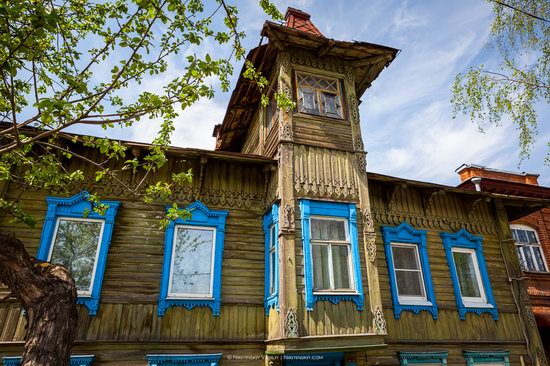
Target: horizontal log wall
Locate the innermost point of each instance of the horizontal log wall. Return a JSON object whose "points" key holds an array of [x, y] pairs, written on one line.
{"points": [[131, 286], [439, 212]]}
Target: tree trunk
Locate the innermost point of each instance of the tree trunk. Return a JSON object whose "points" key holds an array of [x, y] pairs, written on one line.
{"points": [[48, 294]]}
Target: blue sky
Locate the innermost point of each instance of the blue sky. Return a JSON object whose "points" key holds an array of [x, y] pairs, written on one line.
{"points": [[406, 116]]}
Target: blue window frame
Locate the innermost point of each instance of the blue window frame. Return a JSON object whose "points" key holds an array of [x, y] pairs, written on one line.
{"points": [[314, 359], [409, 270], [332, 267], [471, 283], [75, 215], [271, 232], [192, 269], [175, 360], [75, 360], [484, 357], [411, 358]]}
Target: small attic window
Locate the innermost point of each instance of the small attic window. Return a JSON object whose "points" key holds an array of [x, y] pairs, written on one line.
{"points": [[319, 95]]}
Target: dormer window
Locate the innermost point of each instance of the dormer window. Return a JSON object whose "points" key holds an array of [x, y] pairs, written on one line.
{"points": [[319, 95]]}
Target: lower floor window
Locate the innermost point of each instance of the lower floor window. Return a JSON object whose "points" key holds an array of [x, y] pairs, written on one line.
{"points": [[86, 360], [487, 358], [176, 360], [422, 358]]}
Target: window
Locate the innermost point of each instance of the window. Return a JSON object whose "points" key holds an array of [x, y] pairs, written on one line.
{"points": [[469, 274], [319, 95], [272, 113], [175, 360], [331, 253], [75, 361], [409, 270], [271, 232], [423, 358], [485, 358], [78, 238], [191, 273], [528, 248]]}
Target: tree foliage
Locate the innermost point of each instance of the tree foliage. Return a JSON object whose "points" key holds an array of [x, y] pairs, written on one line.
{"points": [[520, 33], [70, 63]]}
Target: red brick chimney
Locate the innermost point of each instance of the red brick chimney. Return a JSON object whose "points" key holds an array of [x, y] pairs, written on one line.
{"points": [[468, 171], [299, 20]]}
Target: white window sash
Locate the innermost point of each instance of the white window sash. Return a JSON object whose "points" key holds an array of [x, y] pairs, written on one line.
{"points": [[530, 246], [172, 295], [408, 299], [80, 292], [330, 243], [472, 301]]}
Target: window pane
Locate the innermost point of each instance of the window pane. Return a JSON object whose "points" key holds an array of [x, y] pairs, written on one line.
{"points": [[538, 258], [273, 265], [529, 264], [515, 234], [467, 278], [531, 237], [273, 237], [75, 248], [330, 104], [409, 283], [320, 267], [521, 236], [328, 229], [308, 103], [340, 266], [405, 257], [192, 261]]}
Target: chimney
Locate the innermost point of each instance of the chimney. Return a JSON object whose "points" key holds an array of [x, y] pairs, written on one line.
{"points": [[471, 171], [297, 19]]}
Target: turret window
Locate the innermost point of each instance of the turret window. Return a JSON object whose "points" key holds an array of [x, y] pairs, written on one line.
{"points": [[319, 95]]}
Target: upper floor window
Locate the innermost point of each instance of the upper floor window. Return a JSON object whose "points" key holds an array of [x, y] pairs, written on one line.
{"points": [[320, 95], [528, 248], [191, 273], [271, 232], [78, 238], [331, 252], [409, 271], [469, 274]]}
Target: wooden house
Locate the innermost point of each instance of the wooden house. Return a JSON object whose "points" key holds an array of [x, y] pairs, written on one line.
{"points": [[294, 255]]}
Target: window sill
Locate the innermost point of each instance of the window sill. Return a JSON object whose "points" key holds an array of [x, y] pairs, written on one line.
{"points": [[335, 293], [478, 305], [415, 302], [320, 116]]}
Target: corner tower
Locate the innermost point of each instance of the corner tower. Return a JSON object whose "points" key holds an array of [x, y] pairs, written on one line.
{"points": [[322, 290]]}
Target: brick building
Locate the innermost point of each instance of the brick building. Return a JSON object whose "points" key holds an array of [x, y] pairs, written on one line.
{"points": [[531, 232]]}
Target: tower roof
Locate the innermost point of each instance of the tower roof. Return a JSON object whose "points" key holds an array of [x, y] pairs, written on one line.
{"points": [[300, 20]]}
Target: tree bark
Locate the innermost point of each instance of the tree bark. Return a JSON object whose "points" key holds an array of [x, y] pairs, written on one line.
{"points": [[47, 292]]}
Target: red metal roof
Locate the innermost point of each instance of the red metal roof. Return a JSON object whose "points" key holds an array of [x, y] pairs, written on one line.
{"points": [[297, 19]]}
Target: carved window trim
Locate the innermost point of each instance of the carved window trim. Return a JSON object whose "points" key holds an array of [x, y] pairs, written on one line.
{"points": [[202, 216], [270, 222], [78, 207], [314, 359], [405, 234], [310, 208], [463, 239], [412, 358], [174, 360], [84, 360], [474, 358]]}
